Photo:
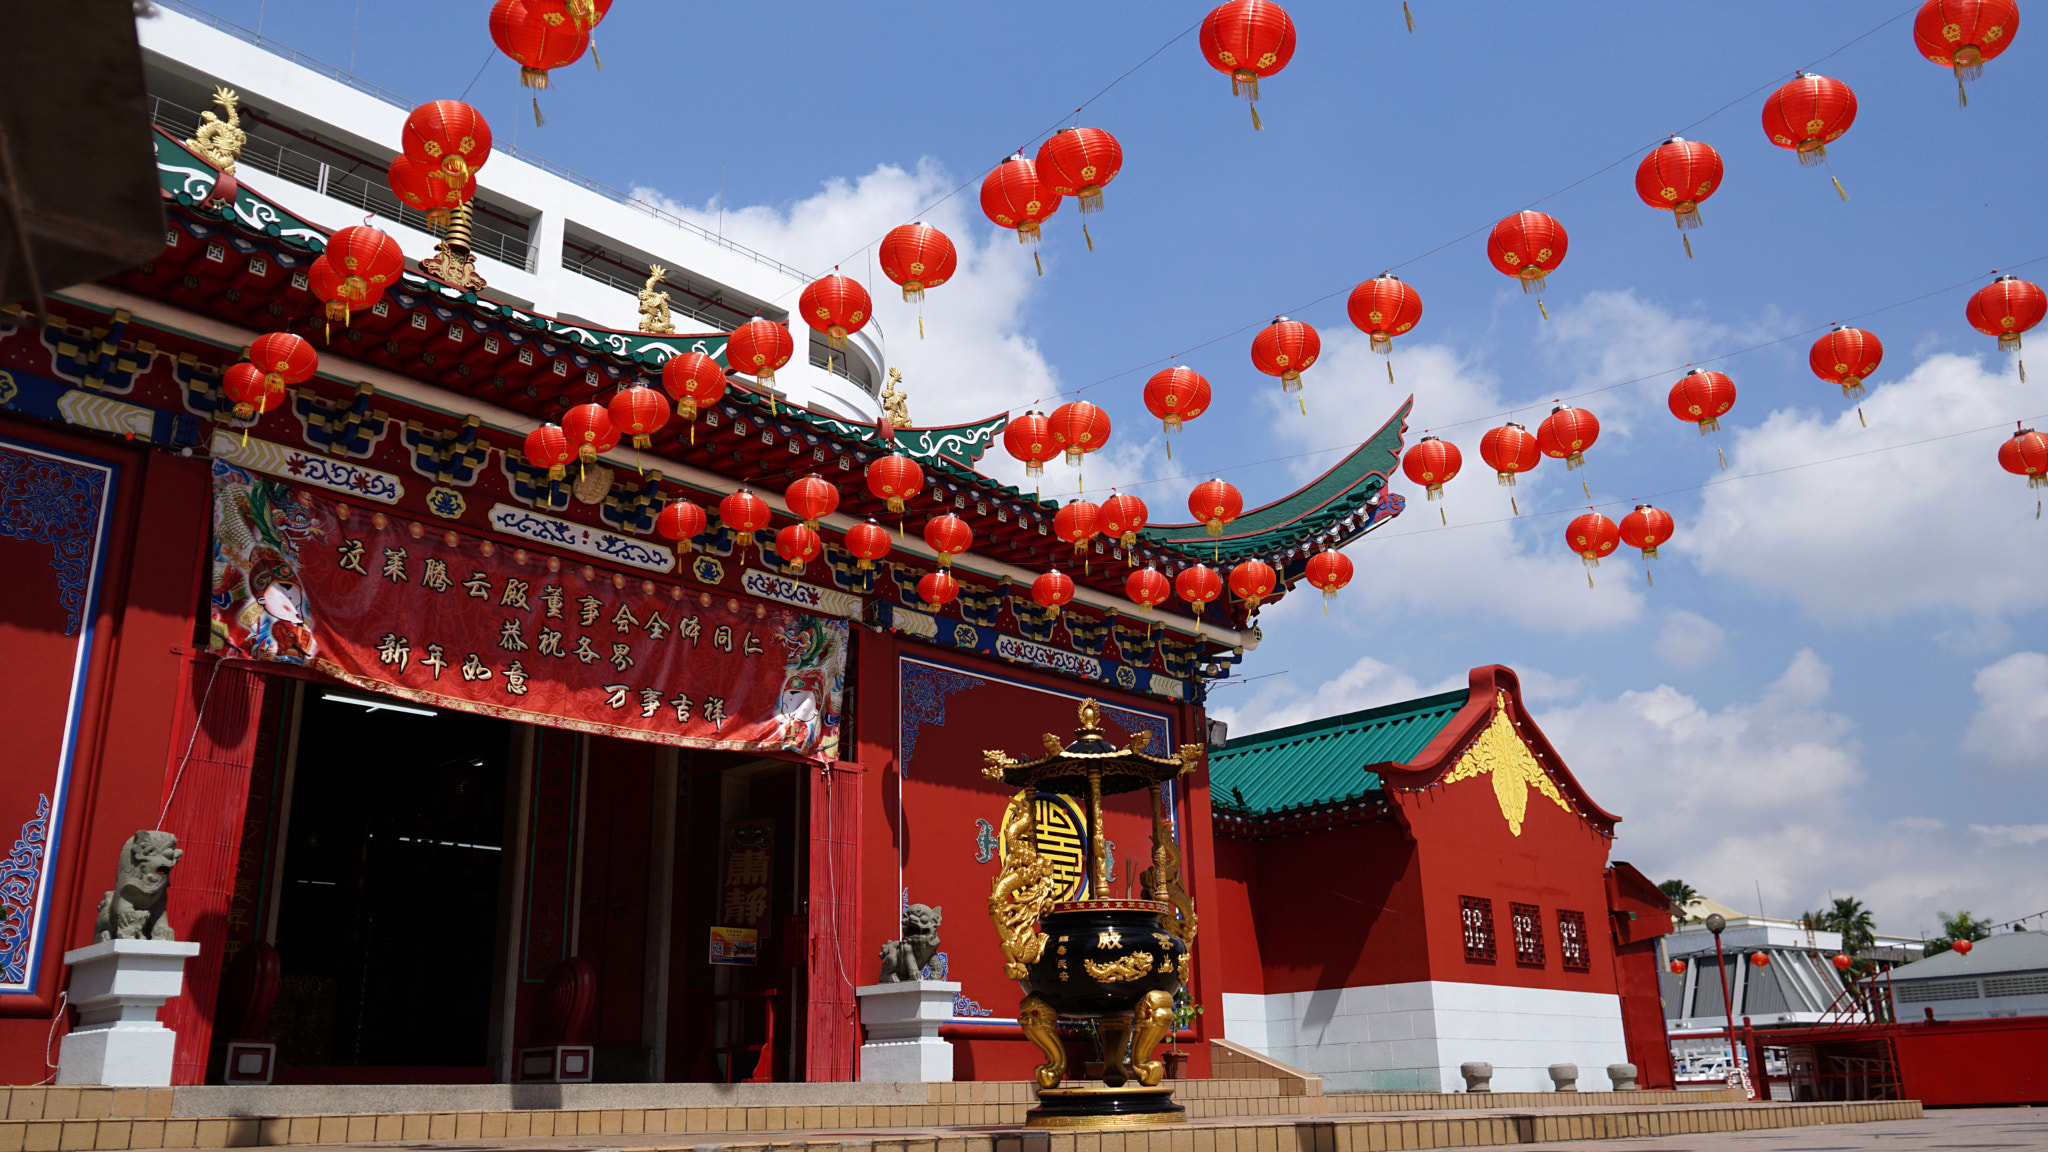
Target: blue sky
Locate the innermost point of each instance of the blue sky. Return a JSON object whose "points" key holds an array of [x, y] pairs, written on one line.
{"points": [[1838, 682]]}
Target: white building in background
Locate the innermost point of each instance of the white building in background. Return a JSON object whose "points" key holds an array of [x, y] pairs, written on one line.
{"points": [[547, 240], [2005, 975]]}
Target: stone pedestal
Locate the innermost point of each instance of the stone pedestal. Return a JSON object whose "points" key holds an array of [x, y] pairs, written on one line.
{"points": [[117, 987], [1623, 1076], [1478, 1075], [902, 1022], [1565, 1077]]}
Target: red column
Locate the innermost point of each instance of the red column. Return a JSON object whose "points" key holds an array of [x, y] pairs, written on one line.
{"points": [[205, 789], [833, 1032]]}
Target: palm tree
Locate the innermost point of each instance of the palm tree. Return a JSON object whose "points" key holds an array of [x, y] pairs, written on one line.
{"points": [[1679, 893], [1849, 917], [1961, 926]]}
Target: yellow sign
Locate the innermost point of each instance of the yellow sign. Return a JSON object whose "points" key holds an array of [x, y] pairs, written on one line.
{"points": [[736, 946]]}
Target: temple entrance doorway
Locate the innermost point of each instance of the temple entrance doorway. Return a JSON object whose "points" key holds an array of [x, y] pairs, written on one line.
{"points": [[388, 903]]}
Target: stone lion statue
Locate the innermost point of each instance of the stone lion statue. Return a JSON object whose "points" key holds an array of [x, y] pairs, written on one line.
{"points": [[904, 959], [134, 910]]}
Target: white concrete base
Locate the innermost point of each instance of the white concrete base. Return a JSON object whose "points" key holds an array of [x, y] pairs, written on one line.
{"points": [[117, 987], [902, 1022], [1413, 1037]]}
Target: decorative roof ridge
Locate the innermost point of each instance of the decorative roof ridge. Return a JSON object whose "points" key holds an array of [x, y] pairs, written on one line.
{"points": [[1491, 686]]}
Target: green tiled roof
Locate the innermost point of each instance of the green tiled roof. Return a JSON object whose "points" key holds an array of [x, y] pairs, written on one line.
{"points": [[1322, 761]]}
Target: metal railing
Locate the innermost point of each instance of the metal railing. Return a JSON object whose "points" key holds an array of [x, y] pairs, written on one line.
{"points": [[344, 77], [598, 272], [266, 155]]}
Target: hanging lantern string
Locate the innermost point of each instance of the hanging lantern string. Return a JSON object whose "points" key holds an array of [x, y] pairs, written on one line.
{"points": [[1774, 81], [1660, 375], [1056, 125]]}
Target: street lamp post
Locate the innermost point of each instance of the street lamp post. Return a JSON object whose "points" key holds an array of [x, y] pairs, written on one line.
{"points": [[1716, 924]]}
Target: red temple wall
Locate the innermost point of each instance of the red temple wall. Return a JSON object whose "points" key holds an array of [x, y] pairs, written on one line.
{"points": [[925, 716], [1339, 908], [1557, 862], [147, 596], [1233, 917], [1638, 915]]}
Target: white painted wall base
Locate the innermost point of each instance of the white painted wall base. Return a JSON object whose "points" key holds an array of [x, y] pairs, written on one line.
{"points": [[1412, 1037], [902, 1022]]}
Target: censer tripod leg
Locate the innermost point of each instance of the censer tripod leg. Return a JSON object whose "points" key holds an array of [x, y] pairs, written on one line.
{"points": [[1040, 1025], [1155, 1020], [1113, 1033]]}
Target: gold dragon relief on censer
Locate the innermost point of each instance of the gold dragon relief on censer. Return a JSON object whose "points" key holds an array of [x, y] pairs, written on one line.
{"points": [[1129, 966]]}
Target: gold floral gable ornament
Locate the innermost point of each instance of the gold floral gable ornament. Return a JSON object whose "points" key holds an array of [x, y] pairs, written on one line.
{"points": [[1501, 753]]}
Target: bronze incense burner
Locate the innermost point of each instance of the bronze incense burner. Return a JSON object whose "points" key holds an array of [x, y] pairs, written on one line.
{"points": [[1116, 962]]}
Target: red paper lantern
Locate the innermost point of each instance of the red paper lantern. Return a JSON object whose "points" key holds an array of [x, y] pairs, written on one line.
{"points": [[1702, 398], [1645, 528], [287, 356], [2026, 454], [869, 541], [1678, 967], [743, 512], [423, 189], [758, 348], [1285, 348], [639, 412], [1962, 947], [1528, 246], [2005, 308], [548, 447], [1247, 40], [589, 427], [1383, 308], [1079, 428], [1760, 959], [1842, 962], [917, 257], [1252, 581], [895, 478], [367, 261], [1808, 114], [1846, 356], [695, 380], [1592, 536], [1054, 590], [836, 306], [1566, 433], [948, 536], [1509, 450], [1124, 516], [682, 522], [539, 35], [938, 589], [325, 285], [1014, 196], [1077, 523], [1077, 162], [252, 389], [1963, 34], [811, 498], [450, 136], [1677, 175], [1329, 571], [1148, 587], [1215, 503], [1176, 395], [1029, 438], [798, 546], [1198, 585], [1433, 463]]}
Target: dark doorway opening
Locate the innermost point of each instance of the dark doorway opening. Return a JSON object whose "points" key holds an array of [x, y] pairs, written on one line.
{"points": [[388, 913]]}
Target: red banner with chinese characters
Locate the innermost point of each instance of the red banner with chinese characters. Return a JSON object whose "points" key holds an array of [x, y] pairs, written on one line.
{"points": [[454, 620]]}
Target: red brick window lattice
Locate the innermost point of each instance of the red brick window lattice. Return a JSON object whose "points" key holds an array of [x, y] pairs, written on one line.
{"points": [[1477, 912], [1528, 922], [1571, 941]]}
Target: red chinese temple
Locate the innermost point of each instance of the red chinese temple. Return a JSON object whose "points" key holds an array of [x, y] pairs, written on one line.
{"points": [[466, 760]]}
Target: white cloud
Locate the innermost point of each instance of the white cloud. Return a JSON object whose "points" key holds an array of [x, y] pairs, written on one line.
{"points": [[1368, 683], [1689, 640], [1768, 793], [1931, 526], [2010, 728]]}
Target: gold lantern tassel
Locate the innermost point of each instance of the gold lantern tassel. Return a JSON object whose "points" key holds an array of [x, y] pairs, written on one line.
{"points": [[1408, 16], [1390, 371], [1688, 244], [1859, 416], [1541, 308], [1086, 236], [538, 119], [1724, 458], [1589, 579], [1446, 519], [1582, 484], [2023, 371], [920, 324], [1649, 579], [1037, 261], [1257, 125], [594, 59], [1515, 506], [1838, 187], [1962, 94]]}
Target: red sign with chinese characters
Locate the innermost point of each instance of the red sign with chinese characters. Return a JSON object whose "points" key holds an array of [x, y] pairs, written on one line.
{"points": [[421, 611]]}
